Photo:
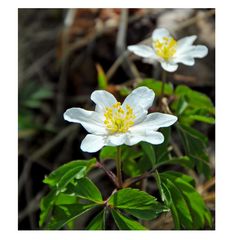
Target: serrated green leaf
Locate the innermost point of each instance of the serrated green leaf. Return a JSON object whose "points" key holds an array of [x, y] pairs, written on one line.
{"points": [[195, 147], [156, 86], [138, 203], [124, 223], [98, 222], [180, 205], [185, 201], [60, 177], [86, 189], [182, 104], [66, 213]]}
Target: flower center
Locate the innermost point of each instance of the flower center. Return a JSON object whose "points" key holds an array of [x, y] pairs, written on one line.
{"points": [[165, 48], [118, 119]]}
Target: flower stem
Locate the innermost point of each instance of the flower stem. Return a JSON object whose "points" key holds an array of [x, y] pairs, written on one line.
{"points": [[164, 77], [118, 166]]}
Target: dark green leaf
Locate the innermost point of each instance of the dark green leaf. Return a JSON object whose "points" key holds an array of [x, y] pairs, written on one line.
{"points": [[66, 213], [195, 147], [138, 203], [86, 189], [124, 223], [98, 222], [149, 152], [108, 152], [60, 177], [187, 206], [184, 161]]}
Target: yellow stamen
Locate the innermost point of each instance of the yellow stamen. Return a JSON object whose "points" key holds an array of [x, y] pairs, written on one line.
{"points": [[117, 119], [165, 48]]}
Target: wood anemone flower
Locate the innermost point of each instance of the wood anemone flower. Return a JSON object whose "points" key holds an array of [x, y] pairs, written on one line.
{"points": [[114, 124], [170, 52]]}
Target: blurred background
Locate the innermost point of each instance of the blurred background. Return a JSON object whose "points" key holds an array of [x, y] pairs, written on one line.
{"points": [[62, 54]]}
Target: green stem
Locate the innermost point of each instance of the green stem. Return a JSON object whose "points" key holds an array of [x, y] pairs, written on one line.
{"points": [[164, 77], [118, 166]]}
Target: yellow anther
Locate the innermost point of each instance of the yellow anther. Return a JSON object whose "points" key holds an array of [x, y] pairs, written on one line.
{"points": [[165, 48], [117, 119]]}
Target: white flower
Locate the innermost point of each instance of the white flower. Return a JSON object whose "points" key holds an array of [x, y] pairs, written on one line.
{"points": [[113, 124], [170, 52]]}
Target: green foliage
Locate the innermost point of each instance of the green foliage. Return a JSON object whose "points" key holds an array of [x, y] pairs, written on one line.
{"points": [[63, 214], [195, 144], [86, 189], [68, 185], [98, 222], [192, 106], [187, 206], [124, 223], [60, 177], [137, 203], [101, 77], [156, 86]]}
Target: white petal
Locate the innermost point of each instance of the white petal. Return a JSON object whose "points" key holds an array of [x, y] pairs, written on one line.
{"points": [[185, 42], [159, 33], [141, 96], [169, 67], [116, 139], [90, 120], [149, 136], [102, 99], [185, 59], [154, 121], [198, 51], [142, 51], [92, 143]]}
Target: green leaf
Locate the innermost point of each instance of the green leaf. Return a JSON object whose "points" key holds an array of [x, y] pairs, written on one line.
{"points": [[98, 222], [101, 77], [184, 161], [46, 205], [108, 152], [63, 214], [156, 86], [60, 177], [195, 144], [138, 203], [149, 152], [195, 98], [161, 150], [180, 205], [86, 189], [187, 206], [125, 223], [204, 119]]}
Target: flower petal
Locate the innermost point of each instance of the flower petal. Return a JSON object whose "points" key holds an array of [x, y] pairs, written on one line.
{"points": [[154, 121], [142, 51], [149, 136], [198, 51], [90, 120], [92, 143], [159, 33], [170, 67], [185, 42], [185, 59], [116, 139], [141, 96], [102, 99]]}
